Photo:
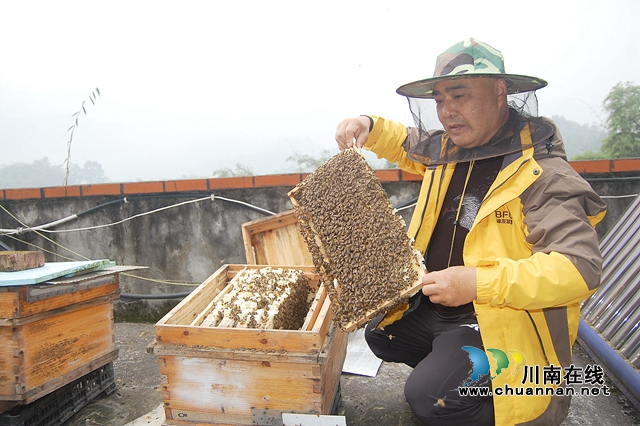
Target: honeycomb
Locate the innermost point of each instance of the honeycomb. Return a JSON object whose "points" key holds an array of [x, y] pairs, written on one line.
{"points": [[266, 298], [357, 240]]}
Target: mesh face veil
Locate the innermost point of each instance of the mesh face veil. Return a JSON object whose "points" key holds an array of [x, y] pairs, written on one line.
{"points": [[423, 110], [429, 150]]}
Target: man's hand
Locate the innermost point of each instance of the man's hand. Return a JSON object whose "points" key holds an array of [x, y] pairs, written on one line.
{"points": [[352, 128], [453, 286]]}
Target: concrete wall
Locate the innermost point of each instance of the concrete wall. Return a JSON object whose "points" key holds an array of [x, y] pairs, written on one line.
{"points": [[188, 243]]}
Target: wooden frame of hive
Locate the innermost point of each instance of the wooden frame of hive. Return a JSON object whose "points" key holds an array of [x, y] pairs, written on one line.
{"points": [[54, 333], [331, 205], [238, 376], [275, 240]]}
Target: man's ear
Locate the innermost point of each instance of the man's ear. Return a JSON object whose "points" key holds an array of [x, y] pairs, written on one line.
{"points": [[501, 90]]}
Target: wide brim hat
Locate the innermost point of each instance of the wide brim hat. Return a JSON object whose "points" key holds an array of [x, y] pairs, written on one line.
{"points": [[470, 58]]}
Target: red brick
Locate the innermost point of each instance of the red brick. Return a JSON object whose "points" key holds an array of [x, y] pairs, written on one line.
{"points": [[231, 183], [142, 188], [101, 189], [277, 180], [62, 191], [405, 176], [626, 165], [186, 185], [592, 166], [22, 193]]}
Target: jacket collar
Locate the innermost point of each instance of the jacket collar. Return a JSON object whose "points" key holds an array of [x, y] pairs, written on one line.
{"points": [[437, 148]]}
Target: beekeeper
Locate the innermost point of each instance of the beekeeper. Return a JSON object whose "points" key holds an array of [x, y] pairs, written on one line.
{"points": [[506, 227]]}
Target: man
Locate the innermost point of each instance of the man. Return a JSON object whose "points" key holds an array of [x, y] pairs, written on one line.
{"points": [[506, 228]]}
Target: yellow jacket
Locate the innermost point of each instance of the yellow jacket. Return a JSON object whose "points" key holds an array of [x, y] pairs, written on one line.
{"points": [[535, 251]]}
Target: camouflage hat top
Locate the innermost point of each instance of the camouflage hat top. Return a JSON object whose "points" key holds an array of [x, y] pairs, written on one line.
{"points": [[470, 58]]}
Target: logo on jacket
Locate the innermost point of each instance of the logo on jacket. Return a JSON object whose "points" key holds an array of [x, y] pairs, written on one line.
{"points": [[504, 217]]}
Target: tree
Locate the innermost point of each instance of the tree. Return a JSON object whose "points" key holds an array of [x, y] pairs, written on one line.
{"points": [[307, 163], [76, 116], [240, 170], [623, 124], [91, 172], [41, 173]]}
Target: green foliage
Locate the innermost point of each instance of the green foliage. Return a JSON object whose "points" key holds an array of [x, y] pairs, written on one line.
{"points": [[240, 170], [589, 155], [92, 97], [307, 163], [623, 124], [42, 173]]}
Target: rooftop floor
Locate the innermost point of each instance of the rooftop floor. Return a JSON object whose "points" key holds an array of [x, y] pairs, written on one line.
{"points": [[366, 401]]}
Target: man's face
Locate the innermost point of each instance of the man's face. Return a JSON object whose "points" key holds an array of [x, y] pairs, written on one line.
{"points": [[471, 110]]}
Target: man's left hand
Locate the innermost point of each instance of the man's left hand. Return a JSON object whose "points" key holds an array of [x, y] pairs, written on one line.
{"points": [[453, 286]]}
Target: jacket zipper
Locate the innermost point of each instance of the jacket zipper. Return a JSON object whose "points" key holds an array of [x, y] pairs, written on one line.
{"points": [[535, 327]]}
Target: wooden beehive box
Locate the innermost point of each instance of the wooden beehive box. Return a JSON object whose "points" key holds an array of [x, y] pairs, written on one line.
{"points": [[54, 333], [275, 240], [244, 376]]}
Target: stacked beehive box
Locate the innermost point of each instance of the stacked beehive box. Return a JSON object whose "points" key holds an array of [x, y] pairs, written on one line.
{"points": [[240, 375], [54, 333]]}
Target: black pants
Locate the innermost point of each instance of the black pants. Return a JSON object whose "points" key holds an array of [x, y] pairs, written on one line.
{"points": [[432, 345]]}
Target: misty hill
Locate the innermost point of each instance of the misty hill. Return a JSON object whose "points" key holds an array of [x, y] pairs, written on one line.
{"points": [[579, 138]]}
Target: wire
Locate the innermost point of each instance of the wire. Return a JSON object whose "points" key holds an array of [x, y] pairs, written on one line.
{"points": [[244, 204], [160, 281], [44, 228], [154, 296], [399, 209], [619, 196], [43, 236]]}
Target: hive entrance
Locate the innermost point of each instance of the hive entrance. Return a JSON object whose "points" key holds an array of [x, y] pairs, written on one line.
{"points": [[358, 242]]}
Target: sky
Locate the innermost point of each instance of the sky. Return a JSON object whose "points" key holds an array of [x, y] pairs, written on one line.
{"points": [[190, 87]]}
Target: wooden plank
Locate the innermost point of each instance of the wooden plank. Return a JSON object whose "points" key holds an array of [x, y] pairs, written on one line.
{"points": [[336, 346], [105, 286], [275, 240], [9, 302], [50, 271], [238, 354], [21, 321], [314, 311], [407, 293], [234, 338], [235, 388], [280, 220], [187, 310], [66, 378], [12, 261], [57, 345], [9, 358]]}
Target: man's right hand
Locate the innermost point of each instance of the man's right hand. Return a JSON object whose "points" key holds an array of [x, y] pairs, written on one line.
{"points": [[352, 128]]}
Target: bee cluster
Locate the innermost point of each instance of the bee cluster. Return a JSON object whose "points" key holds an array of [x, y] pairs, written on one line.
{"points": [[266, 298], [357, 240]]}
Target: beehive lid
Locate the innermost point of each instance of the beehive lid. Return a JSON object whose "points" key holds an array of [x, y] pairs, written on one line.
{"points": [[51, 271]]}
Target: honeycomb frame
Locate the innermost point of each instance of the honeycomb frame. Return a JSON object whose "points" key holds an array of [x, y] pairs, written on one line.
{"points": [[357, 240]]}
